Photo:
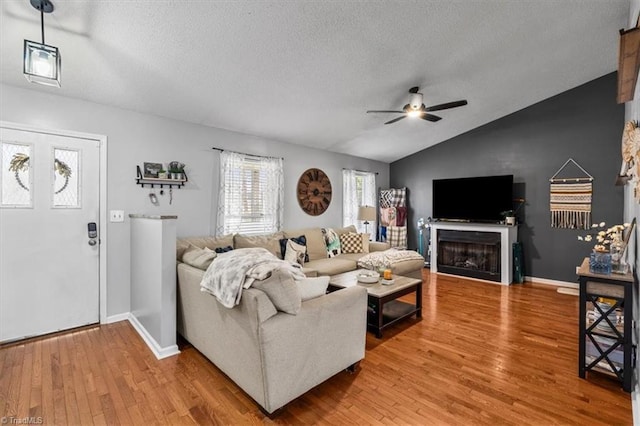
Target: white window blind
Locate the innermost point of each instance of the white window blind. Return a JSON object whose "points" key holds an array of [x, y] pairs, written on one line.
{"points": [[358, 189], [251, 194]]}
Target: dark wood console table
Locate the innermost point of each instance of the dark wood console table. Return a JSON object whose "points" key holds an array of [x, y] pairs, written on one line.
{"points": [[606, 324]]}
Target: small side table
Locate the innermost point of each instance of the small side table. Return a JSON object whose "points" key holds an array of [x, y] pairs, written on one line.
{"points": [[606, 324]]}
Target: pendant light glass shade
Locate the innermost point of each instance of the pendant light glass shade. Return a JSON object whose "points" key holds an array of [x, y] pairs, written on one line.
{"points": [[41, 63]]}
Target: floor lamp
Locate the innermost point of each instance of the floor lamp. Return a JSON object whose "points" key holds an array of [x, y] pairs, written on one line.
{"points": [[366, 213]]}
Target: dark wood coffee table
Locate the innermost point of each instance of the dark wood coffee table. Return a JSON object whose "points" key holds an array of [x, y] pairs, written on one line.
{"points": [[384, 308]]}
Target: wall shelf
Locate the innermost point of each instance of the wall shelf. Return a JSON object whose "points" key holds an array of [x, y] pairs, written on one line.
{"points": [[628, 63], [153, 182]]}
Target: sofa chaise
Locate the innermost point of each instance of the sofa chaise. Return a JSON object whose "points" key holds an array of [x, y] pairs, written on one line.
{"points": [[275, 356]]}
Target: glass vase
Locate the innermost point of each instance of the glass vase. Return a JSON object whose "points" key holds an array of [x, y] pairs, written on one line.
{"points": [[617, 262], [600, 262]]}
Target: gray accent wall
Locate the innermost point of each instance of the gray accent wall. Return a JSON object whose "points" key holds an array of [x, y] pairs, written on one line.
{"points": [[133, 138], [584, 123]]}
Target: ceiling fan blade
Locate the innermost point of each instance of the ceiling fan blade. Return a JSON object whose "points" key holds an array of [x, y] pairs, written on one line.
{"points": [[414, 89], [395, 112], [395, 119], [430, 117], [446, 106]]}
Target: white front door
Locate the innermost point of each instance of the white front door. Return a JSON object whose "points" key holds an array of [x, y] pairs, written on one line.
{"points": [[49, 265]]}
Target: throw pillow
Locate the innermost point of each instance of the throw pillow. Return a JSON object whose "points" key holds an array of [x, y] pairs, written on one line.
{"points": [[198, 257], [365, 243], [295, 253], [351, 243], [301, 240], [282, 290], [332, 240], [310, 288], [223, 249], [267, 241]]}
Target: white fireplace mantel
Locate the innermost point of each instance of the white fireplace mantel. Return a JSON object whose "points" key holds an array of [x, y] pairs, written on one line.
{"points": [[508, 236]]}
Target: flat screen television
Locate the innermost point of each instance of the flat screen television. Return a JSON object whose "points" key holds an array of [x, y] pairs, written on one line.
{"points": [[473, 199]]}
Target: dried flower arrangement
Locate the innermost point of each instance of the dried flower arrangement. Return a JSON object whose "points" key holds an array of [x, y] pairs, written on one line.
{"points": [[605, 237]]}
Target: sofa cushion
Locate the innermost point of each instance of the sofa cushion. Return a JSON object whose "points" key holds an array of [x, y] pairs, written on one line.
{"points": [[346, 230], [333, 266], [294, 252], [282, 291], [365, 242], [309, 272], [350, 256], [270, 242], [332, 241], [208, 242], [310, 288], [351, 243], [301, 240], [198, 257], [378, 246], [316, 247]]}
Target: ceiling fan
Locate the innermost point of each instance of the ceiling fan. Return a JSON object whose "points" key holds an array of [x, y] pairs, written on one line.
{"points": [[415, 108]]}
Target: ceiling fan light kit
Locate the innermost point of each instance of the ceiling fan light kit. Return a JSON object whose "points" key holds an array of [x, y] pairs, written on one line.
{"points": [[416, 109], [42, 63]]}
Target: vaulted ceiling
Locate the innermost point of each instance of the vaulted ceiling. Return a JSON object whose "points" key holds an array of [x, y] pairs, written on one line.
{"points": [[307, 72]]}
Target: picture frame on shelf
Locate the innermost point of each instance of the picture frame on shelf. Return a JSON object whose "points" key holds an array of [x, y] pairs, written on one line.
{"points": [[151, 170]]}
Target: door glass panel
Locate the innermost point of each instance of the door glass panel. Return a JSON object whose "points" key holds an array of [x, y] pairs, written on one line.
{"points": [[66, 170], [16, 160]]}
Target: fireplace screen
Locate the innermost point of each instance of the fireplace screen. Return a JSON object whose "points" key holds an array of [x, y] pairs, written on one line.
{"points": [[469, 253]]}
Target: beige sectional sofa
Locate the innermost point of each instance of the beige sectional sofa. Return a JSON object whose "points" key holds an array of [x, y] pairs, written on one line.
{"points": [[319, 264], [272, 355]]}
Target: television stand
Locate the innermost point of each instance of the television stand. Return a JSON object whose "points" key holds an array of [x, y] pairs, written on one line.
{"points": [[475, 250]]}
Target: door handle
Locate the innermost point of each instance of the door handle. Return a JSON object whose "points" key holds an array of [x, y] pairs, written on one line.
{"points": [[92, 242]]}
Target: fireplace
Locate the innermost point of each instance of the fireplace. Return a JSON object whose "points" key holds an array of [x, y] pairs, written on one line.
{"points": [[472, 254]]}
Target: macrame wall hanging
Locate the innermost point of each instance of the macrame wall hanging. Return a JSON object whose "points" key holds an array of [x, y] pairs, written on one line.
{"points": [[571, 199]]}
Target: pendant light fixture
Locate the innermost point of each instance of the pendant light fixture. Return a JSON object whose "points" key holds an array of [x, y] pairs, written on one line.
{"points": [[41, 61]]}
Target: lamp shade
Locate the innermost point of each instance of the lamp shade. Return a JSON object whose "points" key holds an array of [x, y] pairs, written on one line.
{"points": [[41, 63], [367, 213]]}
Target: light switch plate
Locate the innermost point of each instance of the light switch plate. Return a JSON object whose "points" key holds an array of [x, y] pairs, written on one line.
{"points": [[116, 216]]}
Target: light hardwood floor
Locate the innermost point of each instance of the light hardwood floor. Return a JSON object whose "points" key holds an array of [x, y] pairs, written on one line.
{"points": [[482, 354]]}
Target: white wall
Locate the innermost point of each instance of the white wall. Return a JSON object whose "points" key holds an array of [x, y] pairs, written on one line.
{"points": [[632, 209], [134, 138]]}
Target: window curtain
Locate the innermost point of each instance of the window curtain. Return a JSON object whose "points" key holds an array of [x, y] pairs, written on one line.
{"points": [[358, 189], [251, 195]]}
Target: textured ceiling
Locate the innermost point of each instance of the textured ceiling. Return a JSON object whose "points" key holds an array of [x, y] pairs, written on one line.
{"points": [[306, 72]]}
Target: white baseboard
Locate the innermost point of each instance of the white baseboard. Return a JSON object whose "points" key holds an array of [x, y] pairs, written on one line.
{"points": [[551, 282], [635, 406], [116, 318], [157, 350]]}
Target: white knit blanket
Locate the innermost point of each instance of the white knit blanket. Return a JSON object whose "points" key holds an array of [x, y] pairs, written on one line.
{"points": [[234, 270], [385, 259]]}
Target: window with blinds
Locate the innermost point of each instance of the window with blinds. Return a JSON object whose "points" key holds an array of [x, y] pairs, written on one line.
{"points": [[358, 189], [251, 194]]}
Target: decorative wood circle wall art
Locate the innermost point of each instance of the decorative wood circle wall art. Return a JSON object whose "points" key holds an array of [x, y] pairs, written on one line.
{"points": [[314, 192]]}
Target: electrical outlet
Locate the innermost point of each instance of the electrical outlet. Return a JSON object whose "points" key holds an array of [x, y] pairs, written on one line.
{"points": [[116, 215]]}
